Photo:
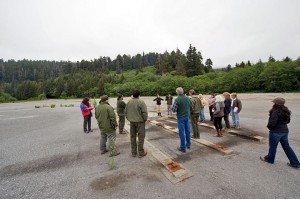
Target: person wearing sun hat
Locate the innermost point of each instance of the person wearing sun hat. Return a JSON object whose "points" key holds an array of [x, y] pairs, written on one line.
{"points": [[107, 123], [279, 117]]}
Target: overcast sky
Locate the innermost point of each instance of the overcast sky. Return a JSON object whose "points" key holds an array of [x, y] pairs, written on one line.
{"points": [[227, 31]]}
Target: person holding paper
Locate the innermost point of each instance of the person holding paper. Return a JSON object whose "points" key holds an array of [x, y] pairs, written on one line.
{"points": [[236, 107]]}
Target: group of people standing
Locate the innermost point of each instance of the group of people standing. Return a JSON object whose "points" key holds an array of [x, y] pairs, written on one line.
{"points": [[135, 111], [188, 108], [221, 106], [232, 105]]}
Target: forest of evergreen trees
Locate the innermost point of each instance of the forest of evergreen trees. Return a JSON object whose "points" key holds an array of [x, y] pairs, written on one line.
{"points": [[152, 73]]}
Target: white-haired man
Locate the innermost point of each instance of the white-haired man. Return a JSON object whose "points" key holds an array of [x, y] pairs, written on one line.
{"points": [[182, 107]]}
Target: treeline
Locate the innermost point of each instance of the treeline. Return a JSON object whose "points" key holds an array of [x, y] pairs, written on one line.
{"points": [[49, 79], [277, 76], [189, 64], [22, 70]]}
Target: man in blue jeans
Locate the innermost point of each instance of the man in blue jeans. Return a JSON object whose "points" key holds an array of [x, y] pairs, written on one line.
{"points": [[236, 107], [182, 107]]}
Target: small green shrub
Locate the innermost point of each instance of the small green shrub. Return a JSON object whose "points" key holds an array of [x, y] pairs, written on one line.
{"points": [[42, 97], [37, 106], [52, 105], [5, 97]]}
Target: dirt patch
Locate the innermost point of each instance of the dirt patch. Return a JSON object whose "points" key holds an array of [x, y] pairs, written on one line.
{"points": [[37, 166], [46, 164], [161, 137], [117, 179]]}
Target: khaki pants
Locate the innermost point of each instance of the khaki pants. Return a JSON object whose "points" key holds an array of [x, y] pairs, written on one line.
{"points": [[137, 129], [121, 122], [169, 109], [158, 108], [112, 141], [194, 120]]}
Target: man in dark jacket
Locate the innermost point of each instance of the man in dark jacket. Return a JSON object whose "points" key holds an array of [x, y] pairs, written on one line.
{"points": [[158, 100], [227, 109]]}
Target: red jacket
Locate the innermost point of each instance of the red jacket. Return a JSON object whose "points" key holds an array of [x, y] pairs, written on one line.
{"points": [[85, 109]]}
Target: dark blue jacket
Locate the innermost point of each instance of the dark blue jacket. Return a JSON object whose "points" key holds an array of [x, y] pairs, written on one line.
{"points": [[277, 122]]}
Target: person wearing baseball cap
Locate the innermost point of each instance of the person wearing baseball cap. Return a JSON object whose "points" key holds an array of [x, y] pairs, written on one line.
{"points": [[107, 123], [137, 114], [279, 117]]}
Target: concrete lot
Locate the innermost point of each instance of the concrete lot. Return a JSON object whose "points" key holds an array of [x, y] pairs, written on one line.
{"points": [[45, 154]]}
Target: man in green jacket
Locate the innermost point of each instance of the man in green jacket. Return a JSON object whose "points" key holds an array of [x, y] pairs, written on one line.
{"points": [[169, 100], [120, 110], [107, 123], [196, 109], [182, 108], [136, 113]]}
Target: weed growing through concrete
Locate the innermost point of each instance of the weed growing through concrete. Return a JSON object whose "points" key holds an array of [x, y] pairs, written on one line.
{"points": [[67, 105]]}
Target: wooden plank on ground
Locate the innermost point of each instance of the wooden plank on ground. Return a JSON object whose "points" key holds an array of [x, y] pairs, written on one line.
{"points": [[248, 135], [217, 147], [173, 117], [177, 171], [207, 125]]}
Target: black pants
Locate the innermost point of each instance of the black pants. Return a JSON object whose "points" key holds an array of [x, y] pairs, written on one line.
{"points": [[226, 119], [87, 122], [211, 113], [218, 123]]}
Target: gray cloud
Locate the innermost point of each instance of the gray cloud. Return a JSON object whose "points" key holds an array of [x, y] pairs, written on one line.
{"points": [[226, 31]]}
